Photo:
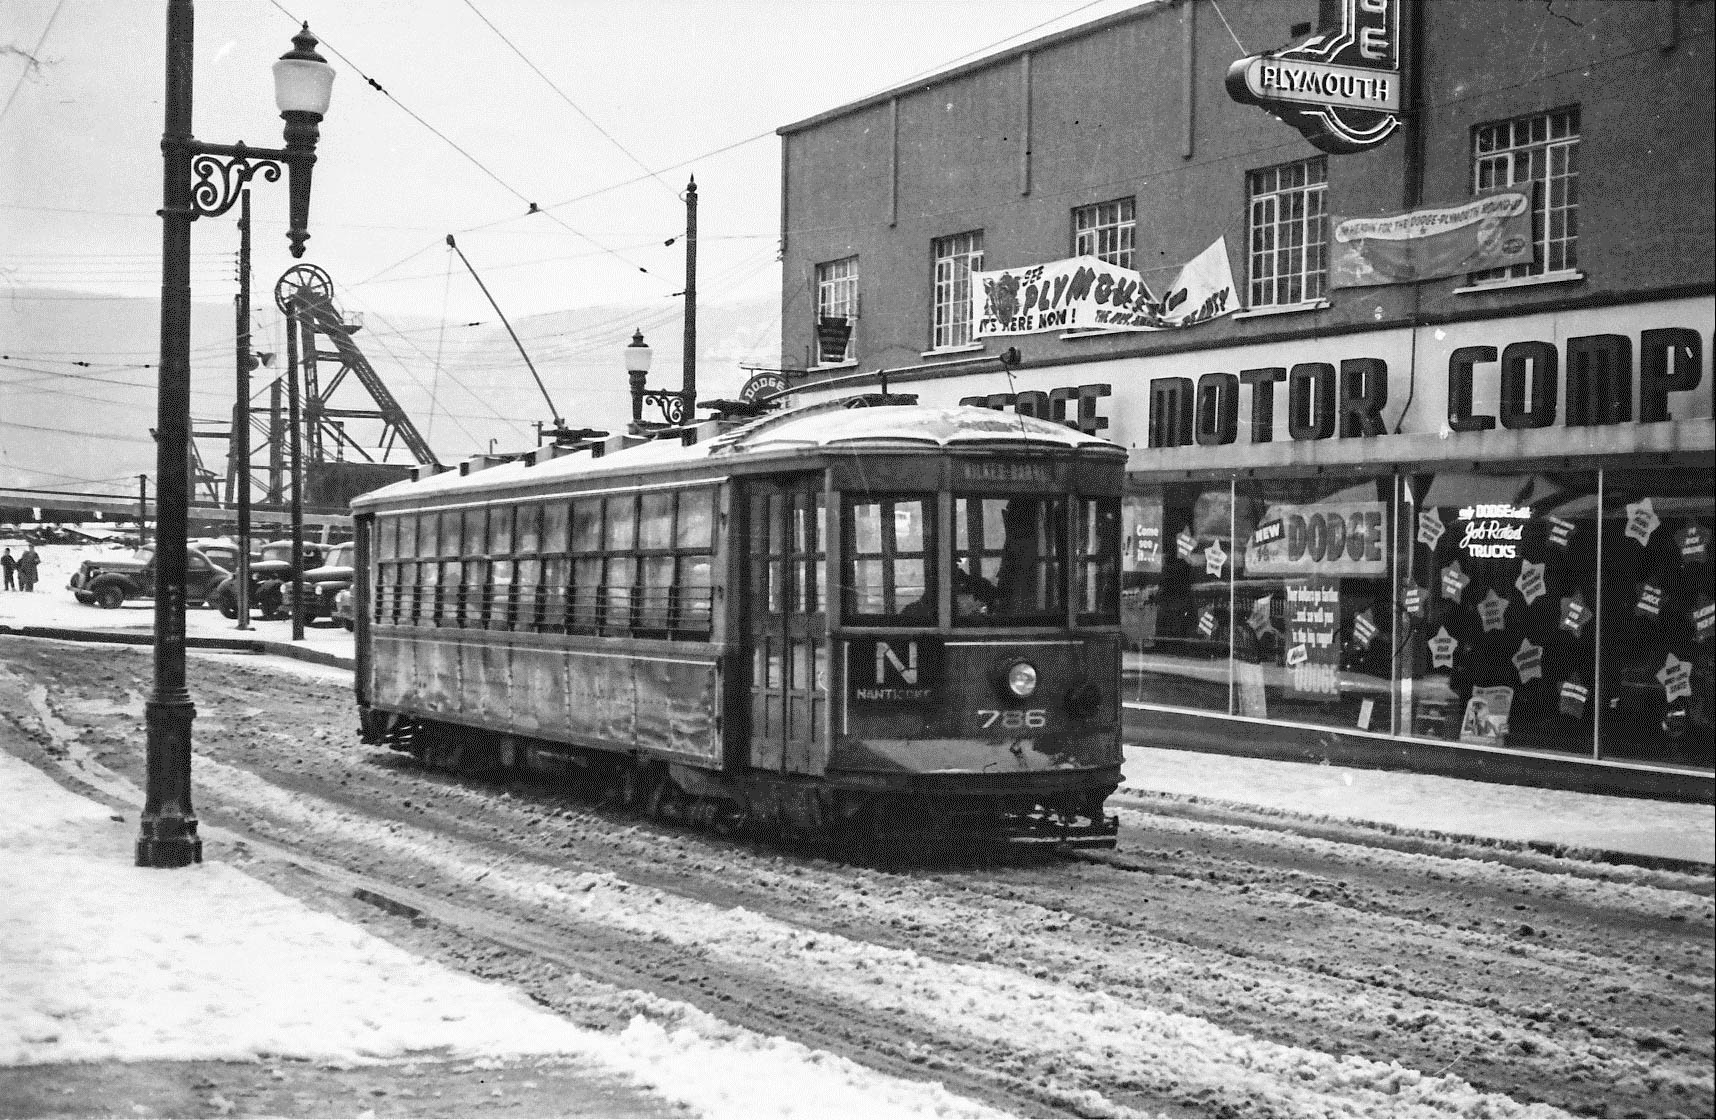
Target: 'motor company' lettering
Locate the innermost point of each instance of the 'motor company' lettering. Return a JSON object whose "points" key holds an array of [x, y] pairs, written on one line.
{"points": [[1591, 380]]}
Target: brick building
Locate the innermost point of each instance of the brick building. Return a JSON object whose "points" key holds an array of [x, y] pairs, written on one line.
{"points": [[1377, 510]]}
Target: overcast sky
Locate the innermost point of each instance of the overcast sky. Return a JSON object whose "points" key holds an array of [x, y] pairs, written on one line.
{"points": [[596, 112]]}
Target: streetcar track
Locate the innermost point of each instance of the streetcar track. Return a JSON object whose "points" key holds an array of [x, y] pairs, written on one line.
{"points": [[1067, 918]]}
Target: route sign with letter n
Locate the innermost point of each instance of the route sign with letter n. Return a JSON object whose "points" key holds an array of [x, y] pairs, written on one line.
{"points": [[893, 671]]}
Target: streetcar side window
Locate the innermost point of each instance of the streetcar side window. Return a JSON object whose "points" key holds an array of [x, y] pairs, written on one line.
{"points": [[403, 608], [445, 579], [585, 612], [497, 596], [655, 560], [675, 562], [556, 519], [694, 545], [1097, 537], [890, 556], [619, 574], [384, 532], [473, 582], [1009, 559], [526, 594]]}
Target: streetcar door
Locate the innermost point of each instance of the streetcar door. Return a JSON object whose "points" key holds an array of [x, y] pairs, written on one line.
{"points": [[786, 574]]}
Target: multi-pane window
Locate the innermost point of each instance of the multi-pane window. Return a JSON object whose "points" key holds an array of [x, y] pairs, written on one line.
{"points": [[584, 604], [628, 563], [551, 614], [675, 538], [1288, 222], [1541, 152], [1107, 231], [642, 563], [1008, 556], [890, 549], [1096, 548], [837, 298], [950, 309]]}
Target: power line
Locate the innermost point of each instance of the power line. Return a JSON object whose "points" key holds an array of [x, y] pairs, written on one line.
{"points": [[575, 106], [473, 160], [31, 60]]}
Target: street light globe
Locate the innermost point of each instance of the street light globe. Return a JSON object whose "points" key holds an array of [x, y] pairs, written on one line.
{"points": [[638, 354], [303, 80]]}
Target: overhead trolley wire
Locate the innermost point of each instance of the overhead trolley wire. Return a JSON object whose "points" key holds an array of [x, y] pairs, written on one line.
{"points": [[30, 60], [473, 160], [608, 136]]}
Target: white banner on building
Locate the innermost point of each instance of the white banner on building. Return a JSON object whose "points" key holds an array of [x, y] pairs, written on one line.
{"points": [[1084, 293]]}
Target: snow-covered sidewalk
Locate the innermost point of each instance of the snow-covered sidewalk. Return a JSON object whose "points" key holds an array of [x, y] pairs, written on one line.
{"points": [[1427, 803], [104, 962]]}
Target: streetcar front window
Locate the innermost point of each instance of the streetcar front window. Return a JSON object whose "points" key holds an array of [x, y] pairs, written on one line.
{"points": [[1097, 544], [890, 554], [1009, 558]]}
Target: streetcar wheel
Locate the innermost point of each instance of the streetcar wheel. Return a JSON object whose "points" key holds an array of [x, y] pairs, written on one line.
{"points": [[665, 802]]}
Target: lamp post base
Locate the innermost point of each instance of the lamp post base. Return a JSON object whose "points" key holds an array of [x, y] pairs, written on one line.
{"points": [[167, 836], [169, 842]]}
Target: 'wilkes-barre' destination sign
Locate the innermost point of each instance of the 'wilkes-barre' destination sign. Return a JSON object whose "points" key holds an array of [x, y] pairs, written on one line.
{"points": [[1341, 89]]}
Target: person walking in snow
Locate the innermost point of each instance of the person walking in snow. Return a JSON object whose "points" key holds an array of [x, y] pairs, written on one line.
{"points": [[10, 564], [27, 565]]}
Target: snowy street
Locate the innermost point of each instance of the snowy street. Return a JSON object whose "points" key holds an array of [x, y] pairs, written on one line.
{"points": [[1208, 966]]}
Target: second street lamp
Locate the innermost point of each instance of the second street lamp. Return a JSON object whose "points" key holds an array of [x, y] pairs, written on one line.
{"points": [[201, 181]]}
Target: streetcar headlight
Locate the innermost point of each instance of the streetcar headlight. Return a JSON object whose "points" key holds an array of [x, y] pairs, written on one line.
{"points": [[1021, 679]]}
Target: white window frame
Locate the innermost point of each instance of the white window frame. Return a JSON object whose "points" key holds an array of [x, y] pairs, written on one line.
{"points": [[1287, 229], [837, 297], [955, 258], [1540, 150], [1107, 231]]}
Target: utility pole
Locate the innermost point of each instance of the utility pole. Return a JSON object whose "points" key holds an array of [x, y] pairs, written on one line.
{"points": [[142, 510], [689, 359], [294, 422], [241, 413]]}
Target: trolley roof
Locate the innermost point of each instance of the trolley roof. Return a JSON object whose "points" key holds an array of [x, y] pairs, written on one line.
{"points": [[788, 435]]}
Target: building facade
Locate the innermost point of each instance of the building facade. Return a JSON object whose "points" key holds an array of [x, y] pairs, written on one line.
{"points": [[1419, 508]]}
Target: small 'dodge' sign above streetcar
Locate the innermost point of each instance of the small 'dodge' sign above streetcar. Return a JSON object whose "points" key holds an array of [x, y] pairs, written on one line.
{"points": [[893, 671], [1340, 88]]}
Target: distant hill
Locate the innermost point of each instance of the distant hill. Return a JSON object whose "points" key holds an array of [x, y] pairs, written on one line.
{"points": [[77, 377]]}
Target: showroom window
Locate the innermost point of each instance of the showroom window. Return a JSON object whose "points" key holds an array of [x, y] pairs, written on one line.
{"points": [[1569, 612]]}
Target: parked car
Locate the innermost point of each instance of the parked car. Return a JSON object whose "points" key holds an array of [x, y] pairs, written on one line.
{"points": [[109, 581], [270, 571], [321, 584]]}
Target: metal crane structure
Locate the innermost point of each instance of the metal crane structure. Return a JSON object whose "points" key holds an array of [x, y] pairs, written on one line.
{"points": [[353, 433]]}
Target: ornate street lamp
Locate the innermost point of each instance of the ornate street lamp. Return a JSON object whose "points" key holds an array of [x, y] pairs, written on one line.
{"points": [[201, 181], [638, 356]]}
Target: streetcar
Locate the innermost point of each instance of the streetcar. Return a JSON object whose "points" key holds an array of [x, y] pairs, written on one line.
{"points": [[876, 621]]}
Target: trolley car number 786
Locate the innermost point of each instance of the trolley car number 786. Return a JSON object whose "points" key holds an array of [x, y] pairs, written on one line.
{"points": [[1013, 719]]}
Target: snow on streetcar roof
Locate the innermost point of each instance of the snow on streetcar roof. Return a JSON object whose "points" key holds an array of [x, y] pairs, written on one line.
{"points": [[813, 428]]}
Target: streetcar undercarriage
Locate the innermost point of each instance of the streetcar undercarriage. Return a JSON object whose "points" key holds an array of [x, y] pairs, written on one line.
{"points": [[1058, 809]]}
